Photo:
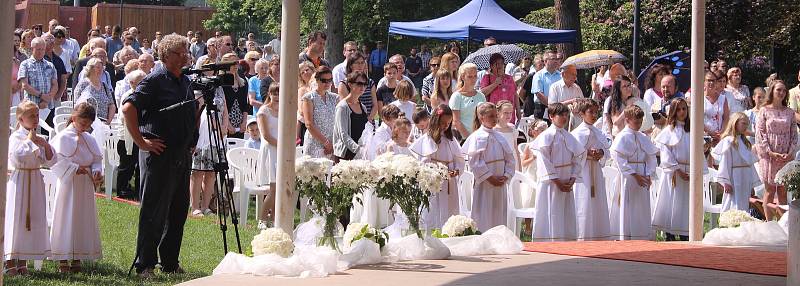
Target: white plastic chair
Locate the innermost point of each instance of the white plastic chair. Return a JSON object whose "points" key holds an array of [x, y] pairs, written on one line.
{"points": [[610, 173], [235, 143], [50, 184], [110, 162], [45, 126], [13, 111], [466, 185], [60, 118], [515, 209], [245, 162], [63, 109], [61, 126], [12, 121], [68, 103], [708, 197]]}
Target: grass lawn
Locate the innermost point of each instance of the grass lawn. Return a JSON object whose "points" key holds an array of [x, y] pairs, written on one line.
{"points": [[200, 252]]}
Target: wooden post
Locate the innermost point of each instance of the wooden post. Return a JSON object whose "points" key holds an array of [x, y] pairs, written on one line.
{"points": [[285, 195], [7, 11], [696, 134]]}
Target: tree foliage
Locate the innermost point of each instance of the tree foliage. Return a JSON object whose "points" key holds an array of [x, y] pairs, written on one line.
{"points": [[739, 31]]}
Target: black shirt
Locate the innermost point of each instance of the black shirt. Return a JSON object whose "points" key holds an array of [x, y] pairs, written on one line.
{"points": [[177, 127], [527, 106], [305, 58], [357, 123], [385, 94], [236, 99], [413, 64], [60, 68]]}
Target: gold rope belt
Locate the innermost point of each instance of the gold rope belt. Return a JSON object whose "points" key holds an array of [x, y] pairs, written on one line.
{"points": [[30, 193]]}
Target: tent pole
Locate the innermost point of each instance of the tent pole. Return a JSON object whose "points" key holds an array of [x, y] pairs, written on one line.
{"points": [[285, 193]]}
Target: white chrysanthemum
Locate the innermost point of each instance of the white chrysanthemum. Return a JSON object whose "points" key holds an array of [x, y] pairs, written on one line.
{"points": [[272, 240], [431, 176], [787, 172], [456, 225], [354, 174], [733, 218], [309, 169]]}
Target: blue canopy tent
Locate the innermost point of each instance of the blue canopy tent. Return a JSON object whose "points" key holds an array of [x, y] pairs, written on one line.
{"points": [[478, 20]]}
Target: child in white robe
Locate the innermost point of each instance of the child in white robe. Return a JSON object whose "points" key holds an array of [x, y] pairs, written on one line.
{"points": [[635, 158], [421, 118], [26, 236], [559, 160], [75, 235], [671, 213], [736, 172], [492, 163], [505, 112], [591, 205], [438, 145], [383, 134], [400, 138]]}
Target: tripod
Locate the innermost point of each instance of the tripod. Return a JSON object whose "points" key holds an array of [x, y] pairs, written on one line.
{"points": [[222, 189]]}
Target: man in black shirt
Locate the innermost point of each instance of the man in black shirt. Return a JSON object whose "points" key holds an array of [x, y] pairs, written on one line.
{"points": [[165, 140], [61, 72]]}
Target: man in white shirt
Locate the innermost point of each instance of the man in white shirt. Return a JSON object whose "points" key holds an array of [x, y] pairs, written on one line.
{"points": [[566, 91], [276, 44], [340, 71]]}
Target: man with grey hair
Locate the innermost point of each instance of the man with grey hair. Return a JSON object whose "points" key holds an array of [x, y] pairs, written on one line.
{"points": [[95, 43], [165, 140], [135, 33], [38, 77]]}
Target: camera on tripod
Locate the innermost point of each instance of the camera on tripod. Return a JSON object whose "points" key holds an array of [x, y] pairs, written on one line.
{"points": [[203, 82]]}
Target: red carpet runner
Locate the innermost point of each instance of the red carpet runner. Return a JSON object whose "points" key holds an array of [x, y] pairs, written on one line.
{"points": [[678, 254]]}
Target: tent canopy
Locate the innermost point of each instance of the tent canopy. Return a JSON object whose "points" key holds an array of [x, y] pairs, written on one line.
{"points": [[478, 20]]}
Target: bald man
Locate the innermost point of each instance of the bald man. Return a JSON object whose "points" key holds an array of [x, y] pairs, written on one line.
{"points": [[96, 43], [566, 91]]}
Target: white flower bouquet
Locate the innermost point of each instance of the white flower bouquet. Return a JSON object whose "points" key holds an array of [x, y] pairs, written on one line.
{"points": [[347, 179], [356, 231], [459, 225], [733, 218], [272, 241], [789, 177], [408, 183]]}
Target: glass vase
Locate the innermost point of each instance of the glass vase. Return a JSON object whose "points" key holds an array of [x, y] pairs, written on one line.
{"points": [[329, 233]]}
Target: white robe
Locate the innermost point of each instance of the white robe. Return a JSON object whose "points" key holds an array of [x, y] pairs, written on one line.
{"points": [[558, 156], [75, 233], [25, 194], [489, 155], [633, 153], [443, 204], [736, 168], [374, 211], [591, 204], [671, 211]]}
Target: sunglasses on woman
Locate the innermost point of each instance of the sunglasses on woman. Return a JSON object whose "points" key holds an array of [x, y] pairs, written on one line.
{"points": [[325, 80], [359, 83]]}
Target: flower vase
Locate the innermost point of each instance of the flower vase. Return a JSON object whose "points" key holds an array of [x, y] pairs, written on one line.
{"points": [[413, 223], [793, 260], [328, 233]]}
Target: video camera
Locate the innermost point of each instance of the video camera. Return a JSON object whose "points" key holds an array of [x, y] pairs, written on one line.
{"points": [[204, 82]]}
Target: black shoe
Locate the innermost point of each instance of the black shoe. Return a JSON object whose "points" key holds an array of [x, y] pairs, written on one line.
{"points": [[176, 270], [146, 273]]}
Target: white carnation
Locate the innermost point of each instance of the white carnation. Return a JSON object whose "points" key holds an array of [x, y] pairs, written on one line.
{"points": [[309, 169], [272, 241], [355, 174], [733, 218], [456, 225]]}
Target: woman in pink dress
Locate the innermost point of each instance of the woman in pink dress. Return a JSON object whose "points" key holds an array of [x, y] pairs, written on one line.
{"points": [[776, 139], [497, 85]]}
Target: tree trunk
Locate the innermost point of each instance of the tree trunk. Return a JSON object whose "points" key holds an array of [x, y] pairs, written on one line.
{"points": [[568, 18], [334, 19]]}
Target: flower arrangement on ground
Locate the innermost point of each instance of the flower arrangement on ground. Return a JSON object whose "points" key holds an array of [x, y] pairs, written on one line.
{"points": [[272, 241], [733, 218], [408, 183], [356, 231], [348, 178], [789, 177], [459, 225]]}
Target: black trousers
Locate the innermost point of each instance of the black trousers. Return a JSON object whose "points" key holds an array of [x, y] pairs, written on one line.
{"points": [[128, 168], [164, 207]]}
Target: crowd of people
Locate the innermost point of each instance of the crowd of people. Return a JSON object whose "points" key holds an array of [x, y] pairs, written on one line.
{"points": [[529, 117]]}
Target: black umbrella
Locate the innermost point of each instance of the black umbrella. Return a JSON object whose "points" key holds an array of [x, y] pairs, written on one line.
{"points": [[680, 64], [511, 54]]}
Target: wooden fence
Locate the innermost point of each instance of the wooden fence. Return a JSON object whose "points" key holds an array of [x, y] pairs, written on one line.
{"points": [[148, 19]]}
